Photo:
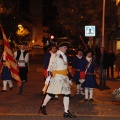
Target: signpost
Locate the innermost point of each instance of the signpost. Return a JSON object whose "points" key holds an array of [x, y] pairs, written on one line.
{"points": [[90, 31]]}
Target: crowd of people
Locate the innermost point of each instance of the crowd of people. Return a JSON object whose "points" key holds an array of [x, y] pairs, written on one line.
{"points": [[22, 58], [85, 66], [58, 79]]}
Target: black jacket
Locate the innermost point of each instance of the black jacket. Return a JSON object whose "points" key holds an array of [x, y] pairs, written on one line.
{"points": [[105, 63]]}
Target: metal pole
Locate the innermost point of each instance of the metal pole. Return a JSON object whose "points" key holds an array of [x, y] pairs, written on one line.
{"points": [[103, 25]]}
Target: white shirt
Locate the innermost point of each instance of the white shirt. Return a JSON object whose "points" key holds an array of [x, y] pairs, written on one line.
{"points": [[20, 64]]}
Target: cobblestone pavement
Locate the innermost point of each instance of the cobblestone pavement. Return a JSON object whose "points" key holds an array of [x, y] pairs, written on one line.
{"points": [[26, 106]]}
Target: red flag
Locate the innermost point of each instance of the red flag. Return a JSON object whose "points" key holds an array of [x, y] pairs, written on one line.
{"points": [[10, 59]]}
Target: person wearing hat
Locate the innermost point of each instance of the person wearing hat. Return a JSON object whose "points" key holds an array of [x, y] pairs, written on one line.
{"points": [[52, 50], [90, 80], [78, 70], [6, 73], [59, 82], [22, 57]]}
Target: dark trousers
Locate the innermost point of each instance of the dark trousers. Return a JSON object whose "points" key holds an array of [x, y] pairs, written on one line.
{"points": [[23, 75], [112, 71]]}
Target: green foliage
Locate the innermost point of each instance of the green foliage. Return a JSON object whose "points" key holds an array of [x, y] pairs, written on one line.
{"points": [[73, 15]]}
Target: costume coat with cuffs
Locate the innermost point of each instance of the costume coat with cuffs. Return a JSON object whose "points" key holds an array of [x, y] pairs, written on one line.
{"points": [[59, 82], [5, 70], [78, 65], [90, 79]]}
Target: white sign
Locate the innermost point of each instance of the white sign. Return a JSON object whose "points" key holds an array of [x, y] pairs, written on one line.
{"points": [[89, 31]]}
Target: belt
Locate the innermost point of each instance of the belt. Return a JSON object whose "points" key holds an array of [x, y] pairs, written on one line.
{"points": [[90, 73], [22, 66], [78, 70], [61, 72]]}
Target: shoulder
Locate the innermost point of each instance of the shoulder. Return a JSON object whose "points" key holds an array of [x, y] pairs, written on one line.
{"points": [[48, 54], [17, 52], [83, 58], [75, 57]]}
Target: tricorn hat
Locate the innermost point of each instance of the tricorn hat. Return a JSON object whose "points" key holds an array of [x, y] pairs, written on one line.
{"points": [[64, 43]]}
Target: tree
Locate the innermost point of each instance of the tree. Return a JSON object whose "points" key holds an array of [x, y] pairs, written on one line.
{"points": [[73, 15], [9, 16]]}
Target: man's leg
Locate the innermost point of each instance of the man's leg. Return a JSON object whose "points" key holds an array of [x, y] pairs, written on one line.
{"points": [[10, 84], [78, 88], [104, 77], [91, 94], [21, 89], [101, 74], [112, 71], [108, 72], [86, 94], [66, 106], [81, 89], [46, 100], [4, 86]]}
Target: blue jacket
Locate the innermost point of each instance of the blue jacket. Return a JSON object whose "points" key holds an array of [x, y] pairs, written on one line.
{"points": [[79, 64], [90, 80], [46, 60]]}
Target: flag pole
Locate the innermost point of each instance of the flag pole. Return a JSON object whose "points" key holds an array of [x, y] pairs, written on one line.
{"points": [[83, 42]]}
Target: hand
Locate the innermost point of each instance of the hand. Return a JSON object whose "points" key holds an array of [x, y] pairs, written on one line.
{"points": [[71, 83], [73, 71], [49, 73]]}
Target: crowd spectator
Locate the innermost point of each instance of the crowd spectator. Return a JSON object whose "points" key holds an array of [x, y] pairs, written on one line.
{"points": [[111, 60]]}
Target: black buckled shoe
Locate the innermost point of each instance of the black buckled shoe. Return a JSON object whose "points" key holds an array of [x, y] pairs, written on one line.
{"points": [[43, 110], [3, 90], [91, 100], [11, 88], [68, 115]]}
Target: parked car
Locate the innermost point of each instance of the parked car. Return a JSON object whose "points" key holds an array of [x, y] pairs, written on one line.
{"points": [[28, 48], [70, 54], [36, 46]]}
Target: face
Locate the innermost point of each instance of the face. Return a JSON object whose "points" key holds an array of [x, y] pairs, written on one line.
{"points": [[102, 50], [22, 47], [89, 55], [54, 49], [63, 49], [80, 53]]}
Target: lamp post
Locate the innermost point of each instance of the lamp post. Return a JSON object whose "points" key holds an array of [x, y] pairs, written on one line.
{"points": [[19, 26], [103, 25]]}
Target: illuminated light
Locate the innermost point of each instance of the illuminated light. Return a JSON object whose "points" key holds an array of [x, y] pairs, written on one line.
{"points": [[117, 2], [52, 37], [81, 17], [9, 40], [19, 26]]}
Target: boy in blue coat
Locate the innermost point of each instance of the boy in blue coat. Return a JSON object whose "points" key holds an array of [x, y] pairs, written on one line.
{"points": [[90, 80], [78, 69]]}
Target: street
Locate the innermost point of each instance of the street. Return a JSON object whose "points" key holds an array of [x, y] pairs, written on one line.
{"points": [[26, 106]]}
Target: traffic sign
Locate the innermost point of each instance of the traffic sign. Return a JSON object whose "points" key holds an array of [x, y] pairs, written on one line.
{"points": [[90, 31]]}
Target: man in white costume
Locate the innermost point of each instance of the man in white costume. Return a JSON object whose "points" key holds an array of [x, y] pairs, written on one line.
{"points": [[59, 81]]}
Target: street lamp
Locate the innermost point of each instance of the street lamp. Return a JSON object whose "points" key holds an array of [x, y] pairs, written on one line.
{"points": [[19, 26], [103, 25]]}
